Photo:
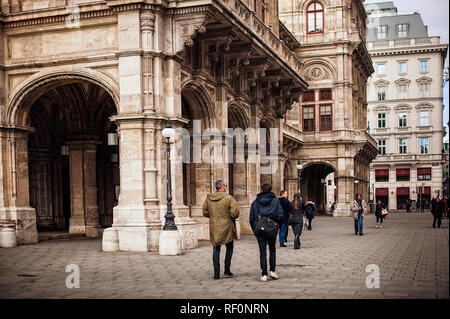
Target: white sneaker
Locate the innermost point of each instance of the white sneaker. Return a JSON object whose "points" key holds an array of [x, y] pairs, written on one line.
{"points": [[264, 278], [273, 275]]}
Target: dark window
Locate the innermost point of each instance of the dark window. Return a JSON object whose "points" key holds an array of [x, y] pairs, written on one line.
{"points": [[308, 118], [325, 95], [382, 175], [308, 96], [402, 174], [325, 117]]}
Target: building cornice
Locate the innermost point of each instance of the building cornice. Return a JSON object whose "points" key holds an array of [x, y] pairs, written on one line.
{"points": [[403, 51]]}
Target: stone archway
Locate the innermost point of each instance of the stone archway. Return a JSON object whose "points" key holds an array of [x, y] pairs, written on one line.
{"points": [[69, 176], [198, 176], [313, 183]]}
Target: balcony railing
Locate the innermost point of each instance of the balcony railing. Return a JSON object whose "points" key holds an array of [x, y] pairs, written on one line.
{"points": [[402, 43]]}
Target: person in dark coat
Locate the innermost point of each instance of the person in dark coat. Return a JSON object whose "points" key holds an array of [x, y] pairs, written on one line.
{"points": [[433, 206], [297, 219], [287, 210], [310, 210], [418, 206], [380, 206], [266, 204], [438, 211]]}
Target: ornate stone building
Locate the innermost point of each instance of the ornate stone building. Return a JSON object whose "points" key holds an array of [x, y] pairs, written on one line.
{"points": [[331, 115], [74, 72], [405, 107]]}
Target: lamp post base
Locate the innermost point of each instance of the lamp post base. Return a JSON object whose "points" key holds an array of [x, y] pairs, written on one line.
{"points": [[169, 243]]}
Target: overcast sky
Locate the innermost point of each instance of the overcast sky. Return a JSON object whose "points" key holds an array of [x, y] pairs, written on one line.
{"points": [[435, 15]]}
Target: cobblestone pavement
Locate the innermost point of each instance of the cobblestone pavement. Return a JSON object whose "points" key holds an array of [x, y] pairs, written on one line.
{"points": [[413, 258]]}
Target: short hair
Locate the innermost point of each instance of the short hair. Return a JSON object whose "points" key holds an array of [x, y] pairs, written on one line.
{"points": [[282, 192], [266, 188], [219, 184]]}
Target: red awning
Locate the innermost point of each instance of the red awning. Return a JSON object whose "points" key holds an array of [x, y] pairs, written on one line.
{"points": [[381, 172], [381, 192], [403, 172], [427, 190], [403, 191], [424, 171]]}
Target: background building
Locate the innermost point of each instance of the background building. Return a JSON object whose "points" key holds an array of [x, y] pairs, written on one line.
{"points": [[331, 114], [405, 108]]}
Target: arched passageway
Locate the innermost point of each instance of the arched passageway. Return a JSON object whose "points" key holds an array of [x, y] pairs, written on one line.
{"points": [[73, 161], [314, 184]]}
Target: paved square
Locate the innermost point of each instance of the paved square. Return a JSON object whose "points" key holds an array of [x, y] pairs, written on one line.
{"points": [[413, 258]]}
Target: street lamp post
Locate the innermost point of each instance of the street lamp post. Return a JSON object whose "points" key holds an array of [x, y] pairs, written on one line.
{"points": [[169, 239], [299, 167], [356, 186]]}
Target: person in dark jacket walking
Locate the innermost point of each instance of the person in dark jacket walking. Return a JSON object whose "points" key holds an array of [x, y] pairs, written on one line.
{"points": [[287, 210], [380, 206], [418, 206], [266, 204], [297, 219], [437, 212], [310, 210], [433, 206]]}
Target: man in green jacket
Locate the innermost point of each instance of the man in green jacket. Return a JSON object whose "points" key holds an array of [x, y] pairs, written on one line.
{"points": [[222, 211]]}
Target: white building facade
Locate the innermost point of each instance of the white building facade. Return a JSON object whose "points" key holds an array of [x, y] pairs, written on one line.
{"points": [[405, 107]]}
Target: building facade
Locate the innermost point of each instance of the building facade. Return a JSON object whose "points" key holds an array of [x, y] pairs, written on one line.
{"points": [[405, 110], [332, 113], [86, 88]]}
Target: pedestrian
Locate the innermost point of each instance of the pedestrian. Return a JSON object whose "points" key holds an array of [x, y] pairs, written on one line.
{"points": [[378, 214], [433, 206], [359, 209], [266, 204], [422, 205], [310, 209], [287, 211], [438, 211], [408, 206], [418, 206], [222, 211], [297, 219]]}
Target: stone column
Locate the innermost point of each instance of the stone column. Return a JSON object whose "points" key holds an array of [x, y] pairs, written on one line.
{"points": [[90, 188], [14, 185]]}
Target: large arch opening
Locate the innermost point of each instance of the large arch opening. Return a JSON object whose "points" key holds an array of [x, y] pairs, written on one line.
{"points": [[314, 185], [198, 177], [73, 168]]}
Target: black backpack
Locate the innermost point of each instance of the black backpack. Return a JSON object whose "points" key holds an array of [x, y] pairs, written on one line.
{"points": [[266, 227]]}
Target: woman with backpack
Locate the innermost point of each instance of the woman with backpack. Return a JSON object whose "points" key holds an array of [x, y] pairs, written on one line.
{"points": [[297, 219], [265, 210]]}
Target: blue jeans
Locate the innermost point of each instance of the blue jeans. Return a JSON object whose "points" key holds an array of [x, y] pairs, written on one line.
{"points": [[283, 232], [359, 224]]}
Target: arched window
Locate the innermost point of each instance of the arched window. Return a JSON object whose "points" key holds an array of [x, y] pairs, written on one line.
{"points": [[315, 18]]}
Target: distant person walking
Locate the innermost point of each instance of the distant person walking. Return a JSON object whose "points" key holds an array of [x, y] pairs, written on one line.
{"points": [[437, 212], [418, 206], [433, 205], [267, 205], [287, 210], [408, 206], [359, 209], [222, 211], [378, 214], [297, 219], [310, 210]]}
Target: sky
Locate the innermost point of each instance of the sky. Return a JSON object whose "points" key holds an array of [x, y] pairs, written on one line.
{"points": [[435, 15]]}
